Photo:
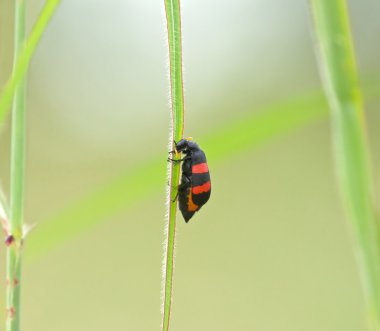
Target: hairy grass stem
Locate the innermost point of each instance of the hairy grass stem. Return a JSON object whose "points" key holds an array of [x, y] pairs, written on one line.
{"points": [[15, 229], [338, 69], [25, 53], [173, 19]]}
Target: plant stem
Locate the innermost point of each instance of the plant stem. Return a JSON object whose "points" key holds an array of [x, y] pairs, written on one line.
{"points": [[173, 17], [25, 54], [17, 183], [338, 68]]}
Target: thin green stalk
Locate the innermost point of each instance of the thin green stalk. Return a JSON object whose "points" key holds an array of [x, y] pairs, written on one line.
{"points": [[173, 18], [15, 235], [25, 54], [338, 69]]}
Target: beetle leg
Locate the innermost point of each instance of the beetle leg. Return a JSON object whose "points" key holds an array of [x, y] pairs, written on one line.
{"points": [[186, 183], [177, 161], [176, 197], [183, 186]]}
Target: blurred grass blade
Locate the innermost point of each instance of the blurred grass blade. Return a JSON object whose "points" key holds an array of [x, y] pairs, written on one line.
{"points": [[249, 132], [114, 197], [173, 20], [338, 69], [148, 178], [15, 235], [24, 56]]}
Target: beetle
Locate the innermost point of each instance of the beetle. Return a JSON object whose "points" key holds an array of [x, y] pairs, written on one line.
{"points": [[195, 187]]}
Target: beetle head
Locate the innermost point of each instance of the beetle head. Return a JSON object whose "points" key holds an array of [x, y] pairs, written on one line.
{"points": [[185, 145], [181, 146]]}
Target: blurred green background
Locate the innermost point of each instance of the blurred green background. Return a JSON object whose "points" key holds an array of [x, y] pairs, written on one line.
{"points": [[270, 251]]}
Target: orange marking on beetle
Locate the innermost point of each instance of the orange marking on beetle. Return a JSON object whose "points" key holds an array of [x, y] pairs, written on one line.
{"points": [[191, 206], [200, 168], [201, 188]]}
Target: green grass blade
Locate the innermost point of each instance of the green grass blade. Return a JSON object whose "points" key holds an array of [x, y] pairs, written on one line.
{"points": [[338, 68], [148, 178], [24, 56], [108, 200], [15, 235], [173, 19]]}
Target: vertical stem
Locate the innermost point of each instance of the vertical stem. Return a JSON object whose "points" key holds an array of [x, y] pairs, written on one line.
{"points": [[17, 183], [173, 17], [25, 54], [338, 69]]}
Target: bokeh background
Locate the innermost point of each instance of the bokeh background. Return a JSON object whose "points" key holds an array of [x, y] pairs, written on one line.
{"points": [[270, 251]]}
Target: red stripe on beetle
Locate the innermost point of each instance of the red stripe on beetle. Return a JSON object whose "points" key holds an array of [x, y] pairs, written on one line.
{"points": [[201, 188], [200, 168]]}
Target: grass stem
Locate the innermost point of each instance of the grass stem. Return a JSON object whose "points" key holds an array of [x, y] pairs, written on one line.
{"points": [[15, 235], [24, 56], [173, 17], [338, 69]]}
